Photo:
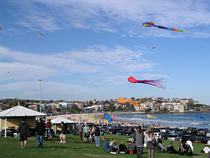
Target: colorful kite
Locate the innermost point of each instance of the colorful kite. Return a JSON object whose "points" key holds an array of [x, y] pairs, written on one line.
{"points": [[128, 101], [152, 24], [150, 116], [156, 83], [108, 118]]}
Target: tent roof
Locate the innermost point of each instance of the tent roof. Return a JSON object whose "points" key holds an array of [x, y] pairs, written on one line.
{"points": [[20, 111], [58, 120]]}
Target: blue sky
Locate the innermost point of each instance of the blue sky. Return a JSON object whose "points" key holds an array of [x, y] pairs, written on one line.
{"points": [[87, 49]]}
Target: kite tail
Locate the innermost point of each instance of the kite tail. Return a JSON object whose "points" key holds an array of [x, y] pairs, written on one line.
{"points": [[157, 83]]}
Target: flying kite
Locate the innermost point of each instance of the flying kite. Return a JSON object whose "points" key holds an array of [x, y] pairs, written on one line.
{"points": [[156, 83], [151, 116], [40, 34], [152, 24], [130, 101], [108, 118]]}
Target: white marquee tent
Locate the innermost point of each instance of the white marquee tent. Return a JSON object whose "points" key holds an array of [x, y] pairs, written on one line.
{"points": [[58, 120], [17, 112]]}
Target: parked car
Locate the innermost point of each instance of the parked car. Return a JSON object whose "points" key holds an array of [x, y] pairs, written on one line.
{"points": [[10, 132], [174, 137], [164, 133], [201, 139], [191, 130], [208, 133], [127, 131], [202, 132]]}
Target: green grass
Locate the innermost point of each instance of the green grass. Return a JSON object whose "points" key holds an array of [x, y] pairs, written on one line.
{"points": [[10, 148]]}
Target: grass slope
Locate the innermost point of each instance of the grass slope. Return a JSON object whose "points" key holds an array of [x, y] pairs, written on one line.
{"points": [[10, 148]]}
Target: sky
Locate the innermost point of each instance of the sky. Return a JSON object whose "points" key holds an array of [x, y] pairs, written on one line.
{"points": [[84, 50]]}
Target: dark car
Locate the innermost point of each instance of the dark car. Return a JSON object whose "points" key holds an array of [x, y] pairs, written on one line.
{"points": [[186, 137], [195, 139], [10, 132], [127, 131], [174, 137], [191, 131], [164, 133], [115, 130], [201, 139], [202, 132]]}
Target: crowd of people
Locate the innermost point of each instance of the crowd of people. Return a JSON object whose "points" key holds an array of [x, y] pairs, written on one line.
{"points": [[137, 142]]}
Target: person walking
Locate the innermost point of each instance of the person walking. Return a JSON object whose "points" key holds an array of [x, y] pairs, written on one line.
{"points": [[63, 133], [40, 131], [139, 141], [23, 130]]}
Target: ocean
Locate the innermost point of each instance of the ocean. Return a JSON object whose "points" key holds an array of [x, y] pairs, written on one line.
{"points": [[197, 120]]}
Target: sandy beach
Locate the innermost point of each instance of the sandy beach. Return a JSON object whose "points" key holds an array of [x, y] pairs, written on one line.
{"points": [[97, 118]]}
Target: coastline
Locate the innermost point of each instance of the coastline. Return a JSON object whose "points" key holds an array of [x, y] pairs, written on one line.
{"points": [[98, 118]]}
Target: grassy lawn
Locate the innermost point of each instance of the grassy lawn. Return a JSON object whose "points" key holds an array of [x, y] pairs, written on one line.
{"points": [[10, 148]]}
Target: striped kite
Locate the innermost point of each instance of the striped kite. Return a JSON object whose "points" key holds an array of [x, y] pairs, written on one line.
{"points": [[152, 24]]}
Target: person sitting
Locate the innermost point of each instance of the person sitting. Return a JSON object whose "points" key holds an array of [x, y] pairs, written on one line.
{"points": [[131, 147], [206, 150], [189, 142], [106, 146], [122, 148], [185, 148], [113, 146], [171, 149], [159, 145]]}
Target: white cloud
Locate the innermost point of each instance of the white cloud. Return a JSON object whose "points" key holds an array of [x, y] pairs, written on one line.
{"points": [[23, 71], [117, 16], [50, 90], [154, 75], [68, 73], [90, 60]]}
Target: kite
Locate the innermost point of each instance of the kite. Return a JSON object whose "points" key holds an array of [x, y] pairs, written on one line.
{"points": [[156, 83], [40, 34], [108, 118], [152, 24], [130, 101], [150, 116]]}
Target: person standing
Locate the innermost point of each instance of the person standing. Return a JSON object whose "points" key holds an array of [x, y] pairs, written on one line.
{"points": [[40, 130], [23, 131], [80, 129], [97, 136], [150, 140], [48, 129], [139, 141], [86, 133]]}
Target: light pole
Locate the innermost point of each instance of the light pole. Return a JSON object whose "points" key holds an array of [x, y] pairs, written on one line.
{"points": [[40, 94]]}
